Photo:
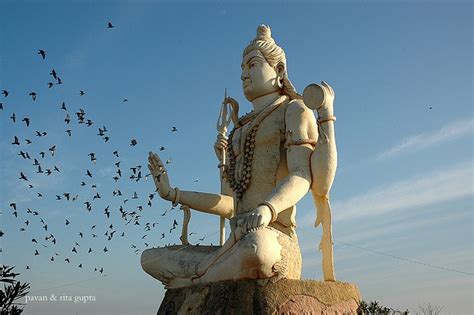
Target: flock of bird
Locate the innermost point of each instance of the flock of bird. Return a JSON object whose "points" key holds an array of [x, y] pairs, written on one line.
{"points": [[47, 242]]}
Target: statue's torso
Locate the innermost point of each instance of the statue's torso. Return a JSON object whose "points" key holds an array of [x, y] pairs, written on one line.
{"points": [[269, 165]]}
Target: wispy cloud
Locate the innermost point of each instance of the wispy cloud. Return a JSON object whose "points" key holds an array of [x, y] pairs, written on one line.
{"points": [[448, 184], [451, 131]]}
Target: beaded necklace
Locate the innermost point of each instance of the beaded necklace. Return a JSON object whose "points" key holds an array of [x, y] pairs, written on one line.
{"points": [[239, 185]]}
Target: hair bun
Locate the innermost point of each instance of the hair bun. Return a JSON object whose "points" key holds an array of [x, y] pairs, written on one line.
{"points": [[264, 33]]}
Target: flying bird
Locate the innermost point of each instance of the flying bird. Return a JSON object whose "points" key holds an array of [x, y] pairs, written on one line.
{"points": [[5, 93], [13, 117], [22, 176], [52, 150], [63, 106], [54, 74], [106, 212], [42, 53], [174, 129], [50, 85], [82, 93], [16, 141], [109, 25], [133, 142], [27, 121], [93, 158]]}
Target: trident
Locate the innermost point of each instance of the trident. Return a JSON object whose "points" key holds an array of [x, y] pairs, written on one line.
{"points": [[229, 112]]}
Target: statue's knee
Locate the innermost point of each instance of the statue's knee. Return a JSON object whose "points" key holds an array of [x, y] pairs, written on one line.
{"points": [[260, 250], [145, 259]]}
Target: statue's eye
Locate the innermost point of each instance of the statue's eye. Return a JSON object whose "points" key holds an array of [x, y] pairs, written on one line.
{"points": [[252, 64]]}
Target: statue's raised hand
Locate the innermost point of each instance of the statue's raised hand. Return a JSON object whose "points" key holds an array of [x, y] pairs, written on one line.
{"points": [[320, 97], [160, 176]]}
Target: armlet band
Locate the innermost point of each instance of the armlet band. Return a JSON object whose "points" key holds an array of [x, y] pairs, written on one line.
{"points": [[300, 142], [326, 119]]}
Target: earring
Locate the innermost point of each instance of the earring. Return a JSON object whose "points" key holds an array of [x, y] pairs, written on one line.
{"points": [[280, 82]]}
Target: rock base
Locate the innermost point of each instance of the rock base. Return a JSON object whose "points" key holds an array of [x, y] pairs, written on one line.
{"points": [[262, 297]]}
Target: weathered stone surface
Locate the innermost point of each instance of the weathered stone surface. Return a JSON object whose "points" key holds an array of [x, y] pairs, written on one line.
{"points": [[262, 297]]}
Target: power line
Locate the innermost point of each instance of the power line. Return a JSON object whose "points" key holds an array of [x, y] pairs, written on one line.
{"points": [[392, 256]]}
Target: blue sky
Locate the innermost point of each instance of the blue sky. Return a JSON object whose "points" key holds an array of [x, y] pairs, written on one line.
{"points": [[402, 72]]}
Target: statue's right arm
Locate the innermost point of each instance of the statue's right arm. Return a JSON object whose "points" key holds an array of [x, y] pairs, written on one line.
{"points": [[218, 204]]}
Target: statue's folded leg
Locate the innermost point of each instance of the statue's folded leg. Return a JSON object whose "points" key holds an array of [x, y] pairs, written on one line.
{"points": [[167, 263], [260, 254]]}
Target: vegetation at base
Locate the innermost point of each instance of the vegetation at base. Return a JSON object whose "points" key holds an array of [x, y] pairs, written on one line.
{"points": [[375, 308], [12, 291]]}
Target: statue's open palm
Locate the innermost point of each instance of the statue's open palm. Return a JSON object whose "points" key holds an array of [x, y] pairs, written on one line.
{"points": [[160, 176]]}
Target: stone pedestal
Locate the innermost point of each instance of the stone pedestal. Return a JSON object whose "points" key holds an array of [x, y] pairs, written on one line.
{"points": [[262, 297]]}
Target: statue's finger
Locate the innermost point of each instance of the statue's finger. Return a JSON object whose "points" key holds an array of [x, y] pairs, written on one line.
{"points": [[248, 223], [151, 159], [252, 220], [157, 162], [328, 87], [255, 221], [153, 164]]}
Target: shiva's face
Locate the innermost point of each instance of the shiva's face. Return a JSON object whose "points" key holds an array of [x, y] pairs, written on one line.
{"points": [[258, 77]]}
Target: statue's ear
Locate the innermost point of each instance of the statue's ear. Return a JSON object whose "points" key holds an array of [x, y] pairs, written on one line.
{"points": [[280, 69]]}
